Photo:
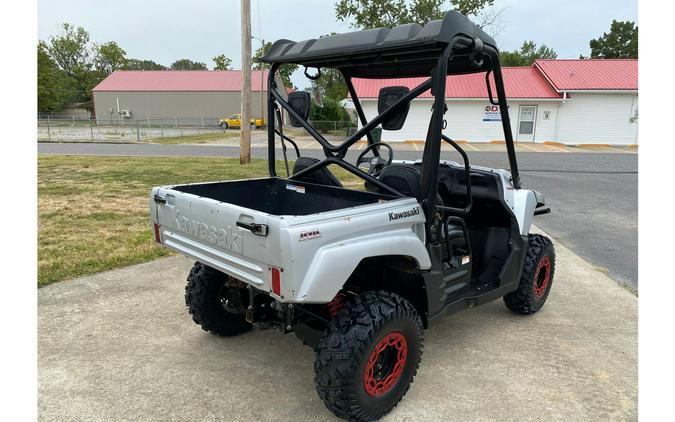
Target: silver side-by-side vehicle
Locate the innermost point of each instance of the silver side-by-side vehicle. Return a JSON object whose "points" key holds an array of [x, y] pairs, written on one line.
{"points": [[358, 274]]}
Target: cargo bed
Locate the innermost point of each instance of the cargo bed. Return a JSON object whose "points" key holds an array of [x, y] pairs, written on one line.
{"points": [[276, 196], [245, 228]]}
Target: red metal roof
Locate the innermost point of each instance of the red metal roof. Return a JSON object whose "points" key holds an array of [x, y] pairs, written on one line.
{"points": [[520, 82], [591, 74], [178, 80]]}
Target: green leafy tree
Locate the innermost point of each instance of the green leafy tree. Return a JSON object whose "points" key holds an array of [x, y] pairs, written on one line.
{"points": [[366, 14], [187, 64], [52, 84], [137, 64], [71, 52], [109, 57], [285, 70], [528, 53], [222, 62], [620, 43], [331, 111], [471, 7]]}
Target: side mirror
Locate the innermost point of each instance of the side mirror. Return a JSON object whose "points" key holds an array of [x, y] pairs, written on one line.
{"points": [[388, 97], [299, 102]]}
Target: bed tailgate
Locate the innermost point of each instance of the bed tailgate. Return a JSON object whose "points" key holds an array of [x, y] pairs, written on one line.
{"points": [[241, 242]]}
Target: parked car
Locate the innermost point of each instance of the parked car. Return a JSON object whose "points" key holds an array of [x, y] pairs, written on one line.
{"points": [[234, 121]]}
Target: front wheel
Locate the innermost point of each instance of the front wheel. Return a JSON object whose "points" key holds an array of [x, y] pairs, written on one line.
{"points": [[368, 356], [536, 279]]}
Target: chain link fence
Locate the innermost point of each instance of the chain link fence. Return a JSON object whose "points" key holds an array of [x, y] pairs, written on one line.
{"points": [[74, 129], [70, 128]]}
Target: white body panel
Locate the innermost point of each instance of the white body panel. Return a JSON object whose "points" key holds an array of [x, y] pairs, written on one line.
{"points": [[316, 253], [312, 269]]}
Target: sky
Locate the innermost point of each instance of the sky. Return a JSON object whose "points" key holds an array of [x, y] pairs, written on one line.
{"points": [[167, 30]]}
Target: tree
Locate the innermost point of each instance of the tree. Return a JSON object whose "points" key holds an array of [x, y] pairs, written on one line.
{"points": [[187, 64], [331, 84], [366, 14], [331, 111], [52, 84], [222, 62], [109, 57], [71, 52], [620, 43], [528, 53], [285, 70], [137, 64]]}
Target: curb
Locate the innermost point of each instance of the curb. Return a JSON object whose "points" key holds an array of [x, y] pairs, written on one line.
{"points": [[592, 146]]}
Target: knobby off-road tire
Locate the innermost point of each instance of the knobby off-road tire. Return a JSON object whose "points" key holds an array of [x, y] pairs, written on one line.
{"points": [[537, 278], [368, 356], [203, 295]]}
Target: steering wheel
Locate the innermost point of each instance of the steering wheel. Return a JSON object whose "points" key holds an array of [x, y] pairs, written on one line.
{"points": [[375, 163]]}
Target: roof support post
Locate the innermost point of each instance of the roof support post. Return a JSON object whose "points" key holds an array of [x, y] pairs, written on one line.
{"points": [[271, 87], [504, 111], [432, 146]]}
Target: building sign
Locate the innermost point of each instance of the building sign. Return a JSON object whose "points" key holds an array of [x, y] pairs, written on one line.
{"points": [[492, 114]]}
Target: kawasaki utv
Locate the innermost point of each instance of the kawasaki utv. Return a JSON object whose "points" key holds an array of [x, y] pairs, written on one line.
{"points": [[358, 274]]}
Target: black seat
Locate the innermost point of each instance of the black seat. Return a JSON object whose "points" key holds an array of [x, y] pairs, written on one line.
{"points": [[403, 178], [323, 176]]}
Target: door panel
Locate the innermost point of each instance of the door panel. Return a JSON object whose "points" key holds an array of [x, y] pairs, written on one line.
{"points": [[527, 122]]}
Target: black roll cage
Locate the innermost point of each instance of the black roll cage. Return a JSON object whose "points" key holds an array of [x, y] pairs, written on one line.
{"points": [[478, 52]]}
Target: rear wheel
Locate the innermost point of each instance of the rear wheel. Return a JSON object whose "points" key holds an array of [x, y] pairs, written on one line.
{"points": [[368, 356], [537, 278], [215, 301]]}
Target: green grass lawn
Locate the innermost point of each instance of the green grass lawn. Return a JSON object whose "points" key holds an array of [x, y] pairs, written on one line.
{"points": [[202, 138], [93, 211]]}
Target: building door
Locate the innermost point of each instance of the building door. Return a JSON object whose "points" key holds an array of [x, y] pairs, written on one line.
{"points": [[527, 122]]}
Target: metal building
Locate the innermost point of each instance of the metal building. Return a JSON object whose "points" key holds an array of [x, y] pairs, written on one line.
{"points": [[566, 101], [184, 97]]}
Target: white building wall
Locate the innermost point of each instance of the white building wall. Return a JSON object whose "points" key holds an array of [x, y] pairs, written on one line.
{"points": [[581, 119], [465, 121], [598, 119]]}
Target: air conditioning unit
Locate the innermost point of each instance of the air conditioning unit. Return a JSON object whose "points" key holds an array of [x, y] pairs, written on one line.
{"points": [[126, 114]]}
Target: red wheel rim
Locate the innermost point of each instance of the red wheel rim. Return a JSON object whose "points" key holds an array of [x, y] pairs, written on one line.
{"points": [[385, 364], [542, 276]]}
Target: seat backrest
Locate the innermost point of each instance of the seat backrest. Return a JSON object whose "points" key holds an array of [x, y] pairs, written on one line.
{"points": [[403, 178], [323, 176]]}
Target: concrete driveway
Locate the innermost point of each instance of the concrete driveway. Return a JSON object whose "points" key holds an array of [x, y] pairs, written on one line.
{"points": [[120, 346]]}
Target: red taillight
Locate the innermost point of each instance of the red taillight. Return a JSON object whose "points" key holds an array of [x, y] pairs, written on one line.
{"points": [[158, 238], [276, 281]]}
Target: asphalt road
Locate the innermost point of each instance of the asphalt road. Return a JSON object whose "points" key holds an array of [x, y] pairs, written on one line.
{"points": [[593, 196]]}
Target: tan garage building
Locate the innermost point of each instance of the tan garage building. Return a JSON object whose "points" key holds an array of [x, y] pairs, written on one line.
{"points": [[183, 97]]}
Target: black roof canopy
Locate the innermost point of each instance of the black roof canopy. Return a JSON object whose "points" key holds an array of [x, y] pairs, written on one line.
{"points": [[403, 51]]}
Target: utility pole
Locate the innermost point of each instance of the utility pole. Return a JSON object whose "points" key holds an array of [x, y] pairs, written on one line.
{"points": [[245, 125]]}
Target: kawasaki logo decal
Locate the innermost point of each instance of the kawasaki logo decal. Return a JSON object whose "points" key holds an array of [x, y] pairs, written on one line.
{"points": [[228, 238], [404, 214]]}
